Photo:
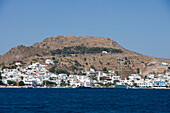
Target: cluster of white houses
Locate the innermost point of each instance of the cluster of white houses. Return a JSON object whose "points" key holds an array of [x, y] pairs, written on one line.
{"points": [[37, 75]]}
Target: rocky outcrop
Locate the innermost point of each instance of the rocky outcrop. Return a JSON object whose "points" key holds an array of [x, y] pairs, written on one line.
{"points": [[60, 42]]}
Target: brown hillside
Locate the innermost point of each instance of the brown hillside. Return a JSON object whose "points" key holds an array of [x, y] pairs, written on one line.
{"points": [[60, 42], [40, 51]]}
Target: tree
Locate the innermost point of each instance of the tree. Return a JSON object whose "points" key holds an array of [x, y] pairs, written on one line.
{"points": [[49, 83], [22, 77], [83, 50], [11, 82], [0, 76], [51, 78], [77, 63], [84, 59], [94, 78], [4, 67], [135, 84], [60, 71], [100, 62], [53, 58], [138, 70], [126, 58], [105, 69], [0, 79], [52, 70], [117, 73], [55, 62], [2, 64], [21, 83], [68, 83], [1, 83], [108, 84], [125, 63], [92, 67], [94, 59], [34, 60], [63, 83], [73, 67]]}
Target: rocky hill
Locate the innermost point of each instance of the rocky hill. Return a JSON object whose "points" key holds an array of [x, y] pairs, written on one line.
{"points": [[79, 53]]}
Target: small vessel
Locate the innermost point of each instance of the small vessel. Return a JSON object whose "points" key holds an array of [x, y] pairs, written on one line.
{"points": [[37, 86], [81, 87], [69, 87], [121, 87], [30, 87]]}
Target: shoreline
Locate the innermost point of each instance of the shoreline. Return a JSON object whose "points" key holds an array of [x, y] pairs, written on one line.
{"points": [[28, 87]]}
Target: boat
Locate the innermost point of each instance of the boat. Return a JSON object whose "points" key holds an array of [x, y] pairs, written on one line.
{"points": [[121, 87], [82, 87]]}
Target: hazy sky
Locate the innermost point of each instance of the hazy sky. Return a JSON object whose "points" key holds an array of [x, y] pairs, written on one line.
{"points": [[139, 25]]}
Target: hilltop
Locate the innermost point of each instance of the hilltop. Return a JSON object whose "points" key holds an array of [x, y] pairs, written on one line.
{"points": [[75, 54]]}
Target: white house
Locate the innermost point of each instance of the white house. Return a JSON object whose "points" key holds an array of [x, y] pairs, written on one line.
{"points": [[18, 63], [164, 64], [48, 61], [134, 77], [105, 52]]}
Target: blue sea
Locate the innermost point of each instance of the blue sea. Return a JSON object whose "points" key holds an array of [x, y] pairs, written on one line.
{"points": [[84, 101]]}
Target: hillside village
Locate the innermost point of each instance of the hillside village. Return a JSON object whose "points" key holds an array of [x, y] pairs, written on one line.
{"points": [[36, 75], [69, 61]]}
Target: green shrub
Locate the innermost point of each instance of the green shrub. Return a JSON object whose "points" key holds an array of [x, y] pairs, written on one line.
{"points": [[83, 50], [60, 71], [73, 67], [77, 63], [55, 62], [63, 83], [21, 83], [100, 62], [92, 67], [53, 58], [105, 69], [52, 70], [11, 82], [34, 60], [138, 70], [84, 59], [49, 83]]}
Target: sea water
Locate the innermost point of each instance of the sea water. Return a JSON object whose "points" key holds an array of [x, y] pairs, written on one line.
{"points": [[84, 100]]}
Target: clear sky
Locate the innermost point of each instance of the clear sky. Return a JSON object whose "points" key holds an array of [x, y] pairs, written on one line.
{"points": [[142, 26]]}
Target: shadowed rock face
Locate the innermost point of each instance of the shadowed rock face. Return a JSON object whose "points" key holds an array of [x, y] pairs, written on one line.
{"points": [[42, 49]]}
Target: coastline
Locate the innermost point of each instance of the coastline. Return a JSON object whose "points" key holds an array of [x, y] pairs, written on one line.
{"points": [[77, 88]]}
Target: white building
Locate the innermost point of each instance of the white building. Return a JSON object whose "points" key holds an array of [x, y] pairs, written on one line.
{"points": [[18, 63], [48, 61], [165, 64], [105, 52]]}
